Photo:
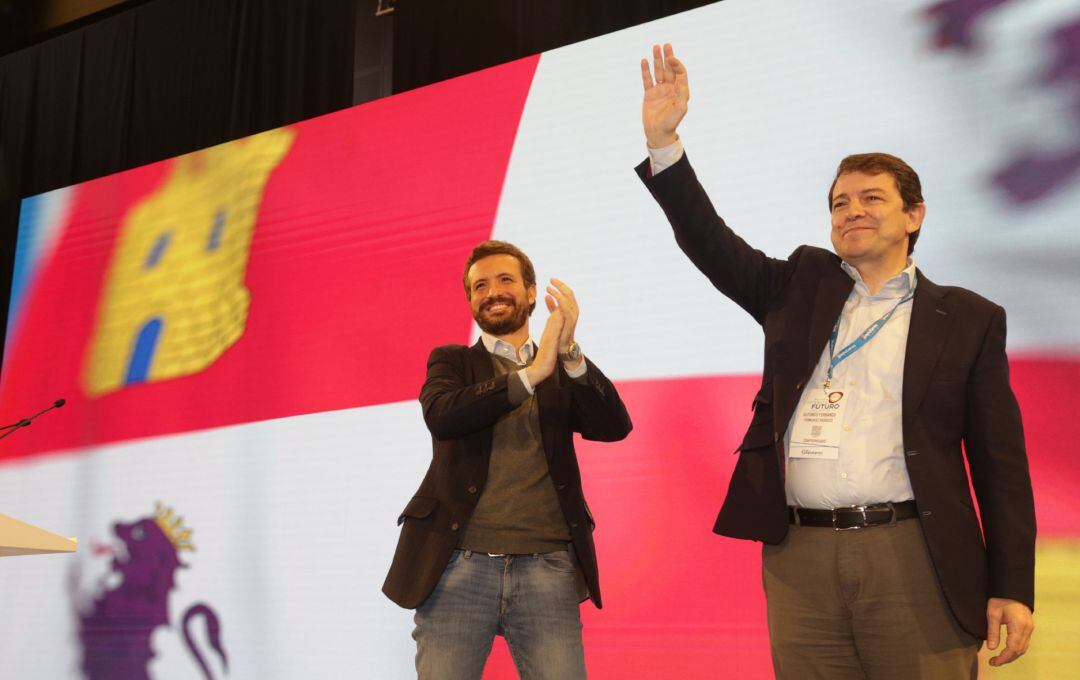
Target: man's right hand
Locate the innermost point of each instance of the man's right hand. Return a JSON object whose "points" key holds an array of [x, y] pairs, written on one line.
{"points": [[665, 99], [548, 353]]}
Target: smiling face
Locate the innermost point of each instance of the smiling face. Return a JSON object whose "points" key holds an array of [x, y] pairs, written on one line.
{"points": [[499, 298], [869, 222]]}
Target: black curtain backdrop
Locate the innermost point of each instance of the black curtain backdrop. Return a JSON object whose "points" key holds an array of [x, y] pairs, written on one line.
{"points": [[439, 39], [164, 78]]}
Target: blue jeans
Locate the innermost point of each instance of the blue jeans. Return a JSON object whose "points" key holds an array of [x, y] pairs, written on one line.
{"points": [[531, 600]]}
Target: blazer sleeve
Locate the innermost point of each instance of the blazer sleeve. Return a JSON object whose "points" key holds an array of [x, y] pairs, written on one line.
{"points": [[994, 444], [597, 411], [746, 275], [453, 408]]}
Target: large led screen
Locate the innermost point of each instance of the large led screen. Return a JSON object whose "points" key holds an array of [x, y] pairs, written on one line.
{"points": [[241, 333]]}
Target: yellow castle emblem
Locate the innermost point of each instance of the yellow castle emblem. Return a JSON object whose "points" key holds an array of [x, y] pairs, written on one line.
{"points": [[174, 297]]}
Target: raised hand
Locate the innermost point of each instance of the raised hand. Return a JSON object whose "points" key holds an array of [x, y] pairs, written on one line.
{"points": [[548, 353], [666, 97]]}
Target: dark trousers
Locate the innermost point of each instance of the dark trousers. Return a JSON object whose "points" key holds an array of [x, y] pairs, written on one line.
{"points": [[861, 604]]}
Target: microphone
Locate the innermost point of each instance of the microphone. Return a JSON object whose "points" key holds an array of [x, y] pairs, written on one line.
{"points": [[25, 422]]}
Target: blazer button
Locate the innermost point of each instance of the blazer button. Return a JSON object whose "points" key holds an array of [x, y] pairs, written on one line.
{"points": [[573, 525], [913, 453], [472, 489], [798, 386], [560, 487], [775, 437], [455, 526]]}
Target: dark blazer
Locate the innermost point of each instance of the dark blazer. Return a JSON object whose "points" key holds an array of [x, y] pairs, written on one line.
{"points": [[956, 400], [462, 400]]}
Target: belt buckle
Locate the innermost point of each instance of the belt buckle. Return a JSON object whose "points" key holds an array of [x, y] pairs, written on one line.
{"points": [[860, 508], [496, 554]]}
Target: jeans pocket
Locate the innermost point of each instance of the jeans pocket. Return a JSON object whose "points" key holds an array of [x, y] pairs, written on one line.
{"points": [[454, 558], [559, 561]]}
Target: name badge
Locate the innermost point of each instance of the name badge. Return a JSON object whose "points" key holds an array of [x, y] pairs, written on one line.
{"points": [[816, 433]]}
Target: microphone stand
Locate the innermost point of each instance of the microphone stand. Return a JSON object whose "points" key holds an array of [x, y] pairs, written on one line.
{"points": [[25, 422]]}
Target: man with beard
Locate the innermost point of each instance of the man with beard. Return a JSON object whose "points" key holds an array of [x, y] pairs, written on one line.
{"points": [[498, 538], [852, 472]]}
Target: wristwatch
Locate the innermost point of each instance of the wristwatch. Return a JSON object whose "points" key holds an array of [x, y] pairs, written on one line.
{"points": [[572, 353]]}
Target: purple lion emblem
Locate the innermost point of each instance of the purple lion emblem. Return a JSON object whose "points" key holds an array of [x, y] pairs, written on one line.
{"points": [[955, 21], [115, 631]]}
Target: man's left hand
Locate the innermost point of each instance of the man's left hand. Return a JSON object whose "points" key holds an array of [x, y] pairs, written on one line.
{"points": [[569, 307], [1016, 617]]}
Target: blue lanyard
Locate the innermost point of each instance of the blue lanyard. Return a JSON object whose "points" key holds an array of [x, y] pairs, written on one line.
{"points": [[857, 344]]}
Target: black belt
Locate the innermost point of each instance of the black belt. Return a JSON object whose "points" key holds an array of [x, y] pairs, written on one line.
{"points": [[855, 517]]}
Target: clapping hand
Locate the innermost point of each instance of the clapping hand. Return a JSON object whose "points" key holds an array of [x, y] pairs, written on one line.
{"points": [[568, 305], [548, 353]]}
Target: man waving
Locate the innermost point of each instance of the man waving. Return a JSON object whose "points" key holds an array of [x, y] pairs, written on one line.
{"points": [[877, 384]]}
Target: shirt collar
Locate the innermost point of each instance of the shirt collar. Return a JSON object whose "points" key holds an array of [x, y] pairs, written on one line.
{"points": [[898, 286], [506, 350]]}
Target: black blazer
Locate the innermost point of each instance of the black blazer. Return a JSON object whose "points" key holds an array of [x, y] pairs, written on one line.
{"points": [[956, 400], [462, 400]]}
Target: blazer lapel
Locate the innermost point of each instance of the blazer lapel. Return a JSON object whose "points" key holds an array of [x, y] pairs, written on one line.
{"points": [[832, 293], [480, 362], [547, 400], [931, 317], [482, 369]]}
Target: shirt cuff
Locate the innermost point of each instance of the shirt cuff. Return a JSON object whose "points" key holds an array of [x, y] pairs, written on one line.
{"points": [[579, 372], [665, 157], [519, 386]]}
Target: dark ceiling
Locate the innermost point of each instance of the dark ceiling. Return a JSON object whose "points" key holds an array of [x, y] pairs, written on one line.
{"points": [[27, 22]]}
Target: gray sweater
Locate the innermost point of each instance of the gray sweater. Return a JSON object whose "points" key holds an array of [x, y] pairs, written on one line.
{"points": [[518, 511]]}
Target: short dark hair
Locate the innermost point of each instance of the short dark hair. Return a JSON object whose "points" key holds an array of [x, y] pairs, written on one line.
{"points": [[489, 248], [907, 180]]}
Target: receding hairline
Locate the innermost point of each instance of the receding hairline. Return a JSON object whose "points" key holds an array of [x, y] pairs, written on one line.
{"points": [[896, 183]]}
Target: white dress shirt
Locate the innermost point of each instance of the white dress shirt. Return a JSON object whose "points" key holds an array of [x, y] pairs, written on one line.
{"points": [[870, 465], [665, 156]]}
